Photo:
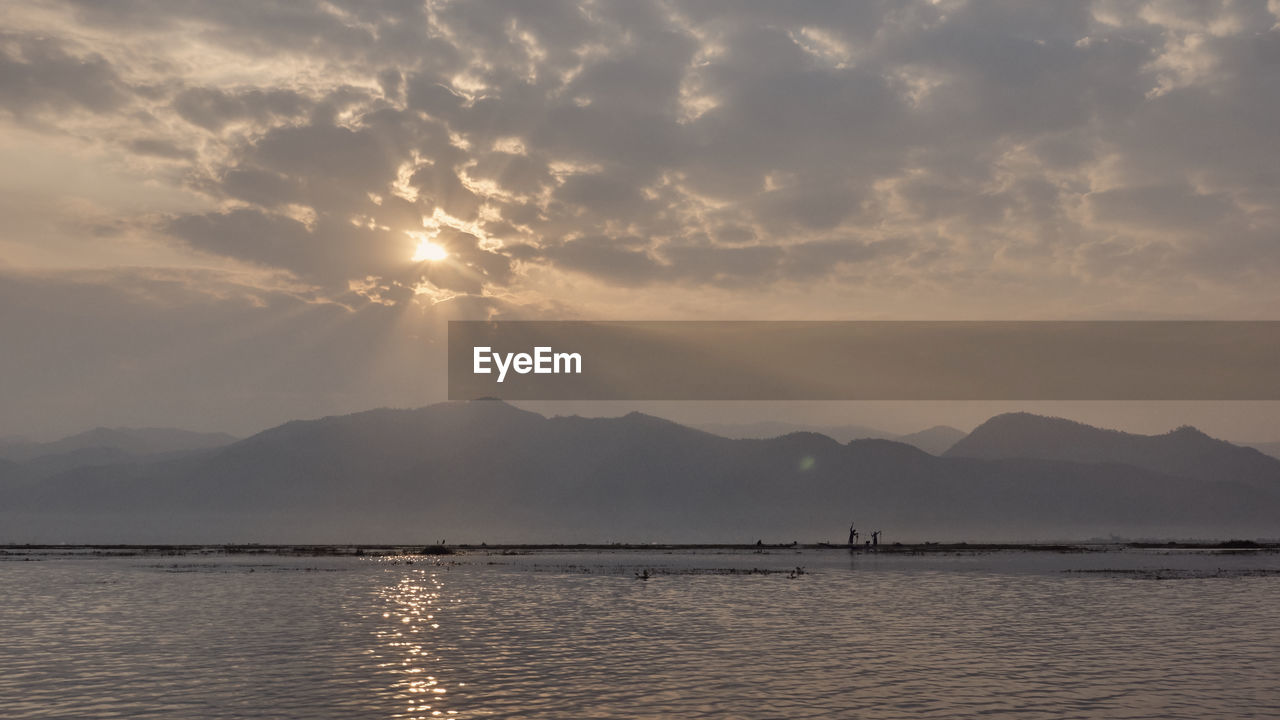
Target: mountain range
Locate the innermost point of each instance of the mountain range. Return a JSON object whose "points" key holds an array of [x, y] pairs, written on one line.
{"points": [[935, 440], [1185, 452], [114, 443], [23, 461], [486, 471]]}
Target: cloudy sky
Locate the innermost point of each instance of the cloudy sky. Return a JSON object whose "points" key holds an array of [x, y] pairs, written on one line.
{"points": [[225, 215]]}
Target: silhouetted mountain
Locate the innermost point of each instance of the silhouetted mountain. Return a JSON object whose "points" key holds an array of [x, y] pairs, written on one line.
{"points": [[11, 474], [486, 471], [46, 465], [1266, 448], [935, 440], [123, 441], [1185, 452], [771, 429]]}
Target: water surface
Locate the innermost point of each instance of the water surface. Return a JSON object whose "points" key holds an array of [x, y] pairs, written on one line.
{"points": [[723, 634]]}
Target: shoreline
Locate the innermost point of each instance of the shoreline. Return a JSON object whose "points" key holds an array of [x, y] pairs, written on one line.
{"points": [[381, 550]]}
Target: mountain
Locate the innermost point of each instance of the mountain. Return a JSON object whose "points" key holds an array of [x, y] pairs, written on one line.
{"points": [[1266, 448], [486, 471], [1184, 452], [935, 440], [122, 441], [52, 464], [771, 429], [12, 474]]}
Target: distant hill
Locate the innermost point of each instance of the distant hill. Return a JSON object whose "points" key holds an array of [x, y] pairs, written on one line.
{"points": [[118, 442], [1266, 448], [771, 429], [486, 471], [1184, 452], [935, 440], [52, 464]]}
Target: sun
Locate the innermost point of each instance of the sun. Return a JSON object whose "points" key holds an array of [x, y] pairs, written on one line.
{"points": [[429, 252]]}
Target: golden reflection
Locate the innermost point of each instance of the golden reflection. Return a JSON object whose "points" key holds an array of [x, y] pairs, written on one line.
{"points": [[406, 633]]}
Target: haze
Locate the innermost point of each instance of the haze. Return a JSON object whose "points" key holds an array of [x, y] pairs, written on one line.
{"points": [[221, 216]]}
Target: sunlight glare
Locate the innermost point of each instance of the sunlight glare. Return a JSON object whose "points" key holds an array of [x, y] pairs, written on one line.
{"points": [[429, 252]]}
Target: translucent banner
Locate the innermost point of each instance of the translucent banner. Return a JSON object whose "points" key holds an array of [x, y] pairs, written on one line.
{"points": [[715, 360]]}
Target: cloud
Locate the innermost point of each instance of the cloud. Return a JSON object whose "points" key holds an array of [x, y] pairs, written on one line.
{"points": [[686, 144], [1161, 208], [160, 149], [38, 73], [212, 108]]}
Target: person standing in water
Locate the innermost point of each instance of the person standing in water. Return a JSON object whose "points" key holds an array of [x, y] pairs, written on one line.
{"points": [[853, 535]]}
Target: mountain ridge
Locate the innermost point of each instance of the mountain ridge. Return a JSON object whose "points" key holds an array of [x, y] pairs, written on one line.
{"points": [[1181, 452], [486, 470], [129, 441], [933, 440]]}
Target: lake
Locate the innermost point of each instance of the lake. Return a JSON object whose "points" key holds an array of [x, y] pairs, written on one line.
{"points": [[731, 633]]}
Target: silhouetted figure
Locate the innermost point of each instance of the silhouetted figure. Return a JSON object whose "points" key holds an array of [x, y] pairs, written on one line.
{"points": [[853, 535], [875, 538]]}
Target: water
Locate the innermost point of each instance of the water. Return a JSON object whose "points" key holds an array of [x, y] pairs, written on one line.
{"points": [[1137, 634]]}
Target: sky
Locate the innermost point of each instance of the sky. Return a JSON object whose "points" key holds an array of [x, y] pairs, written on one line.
{"points": [[222, 216]]}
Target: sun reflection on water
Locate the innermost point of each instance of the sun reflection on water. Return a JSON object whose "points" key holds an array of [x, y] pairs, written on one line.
{"points": [[408, 614]]}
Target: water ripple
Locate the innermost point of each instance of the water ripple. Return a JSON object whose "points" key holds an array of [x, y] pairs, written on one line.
{"points": [[125, 638]]}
